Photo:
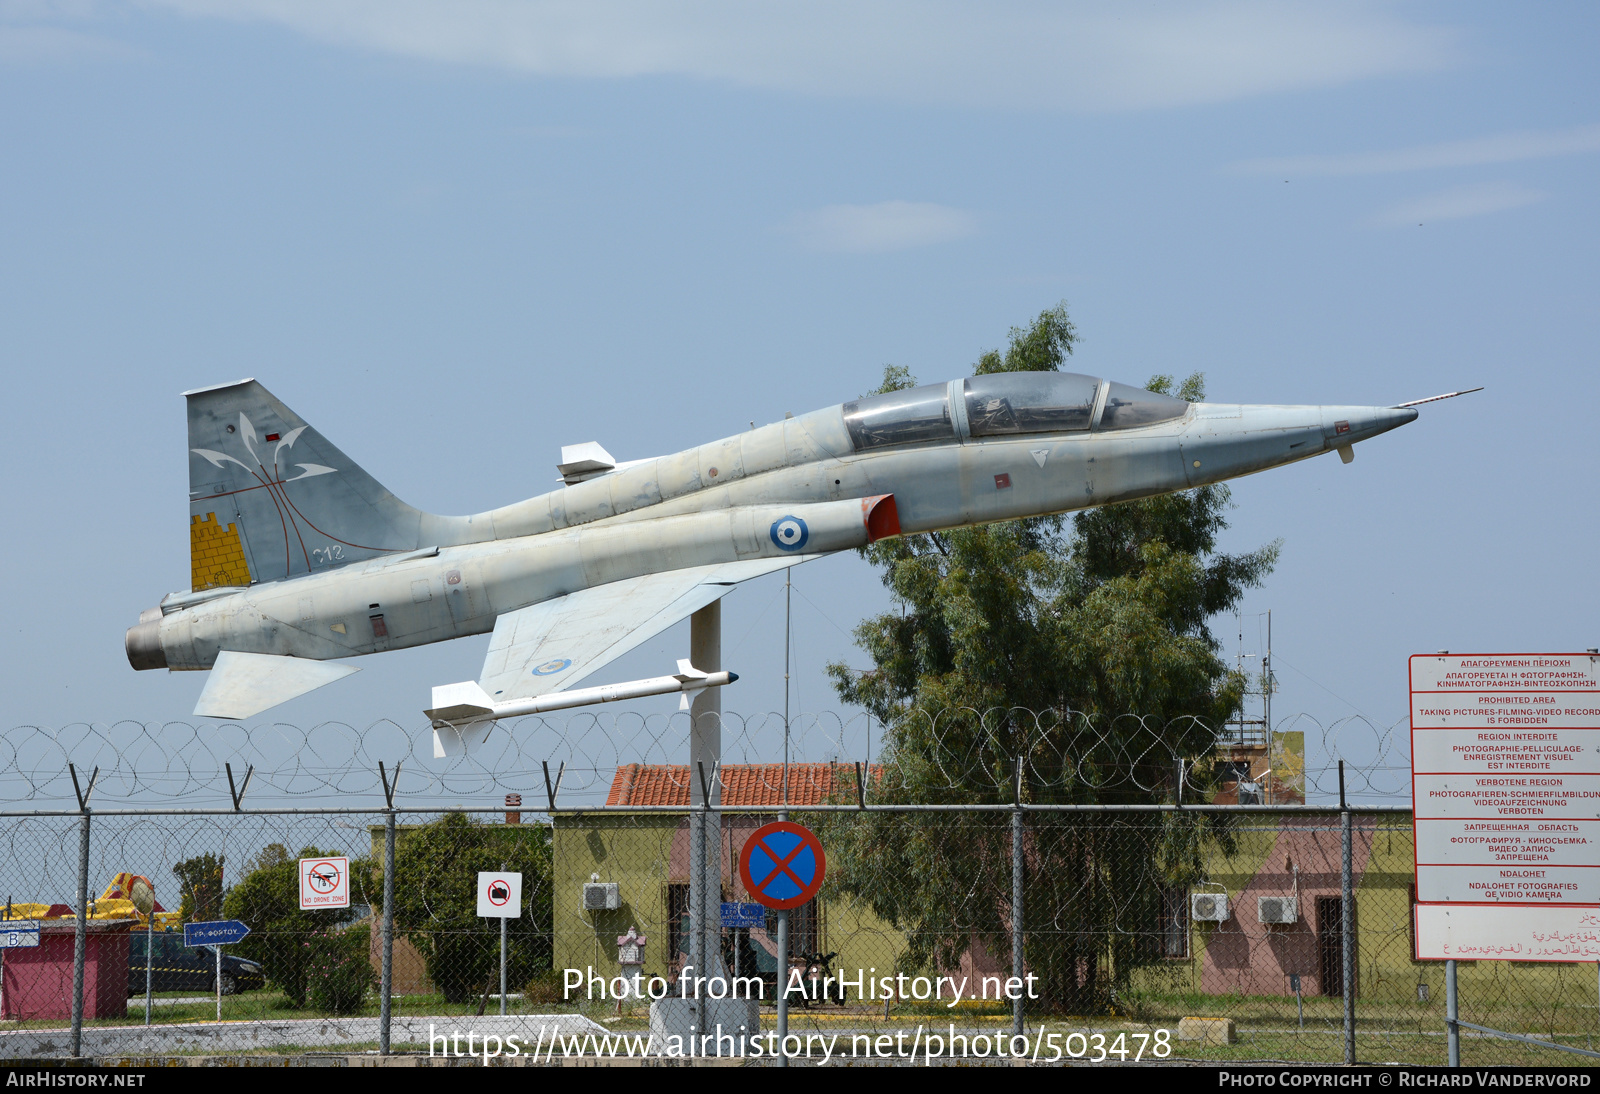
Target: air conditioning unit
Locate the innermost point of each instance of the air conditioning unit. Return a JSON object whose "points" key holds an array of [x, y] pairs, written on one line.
{"points": [[601, 896], [1208, 907], [1276, 909]]}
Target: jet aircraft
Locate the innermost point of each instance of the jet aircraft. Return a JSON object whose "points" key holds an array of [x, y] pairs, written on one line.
{"points": [[300, 560]]}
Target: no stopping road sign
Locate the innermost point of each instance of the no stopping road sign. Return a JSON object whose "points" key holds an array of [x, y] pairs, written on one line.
{"points": [[782, 865]]}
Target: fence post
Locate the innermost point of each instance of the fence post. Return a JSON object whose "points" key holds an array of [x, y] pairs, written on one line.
{"points": [[79, 940], [1347, 909], [1452, 1015], [700, 897], [1016, 900], [386, 980], [783, 974], [504, 921], [80, 936]]}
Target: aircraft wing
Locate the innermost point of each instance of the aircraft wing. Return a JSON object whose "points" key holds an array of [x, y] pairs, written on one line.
{"points": [[554, 644]]}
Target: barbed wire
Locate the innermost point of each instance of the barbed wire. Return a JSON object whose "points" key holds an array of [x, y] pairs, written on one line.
{"points": [[1068, 754]]}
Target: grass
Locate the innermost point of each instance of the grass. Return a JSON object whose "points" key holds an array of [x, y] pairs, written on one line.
{"points": [[1270, 1028]]}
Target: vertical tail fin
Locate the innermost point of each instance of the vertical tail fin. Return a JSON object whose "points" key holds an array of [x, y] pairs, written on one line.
{"points": [[270, 497]]}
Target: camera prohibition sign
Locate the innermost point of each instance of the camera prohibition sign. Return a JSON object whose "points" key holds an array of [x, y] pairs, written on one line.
{"points": [[499, 894]]}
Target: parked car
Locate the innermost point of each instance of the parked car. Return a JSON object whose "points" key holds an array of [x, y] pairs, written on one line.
{"points": [[177, 967]]}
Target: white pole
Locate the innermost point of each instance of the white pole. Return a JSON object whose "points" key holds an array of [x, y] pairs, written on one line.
{"points": [[787, 630], [705, 759], [783, 977]]}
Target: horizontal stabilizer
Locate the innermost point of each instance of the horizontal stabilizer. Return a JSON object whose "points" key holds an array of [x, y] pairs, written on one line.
{"points": [[242, 685]]}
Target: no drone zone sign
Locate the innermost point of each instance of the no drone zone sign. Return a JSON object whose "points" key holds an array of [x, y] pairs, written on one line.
{"points": [[325, 882]]}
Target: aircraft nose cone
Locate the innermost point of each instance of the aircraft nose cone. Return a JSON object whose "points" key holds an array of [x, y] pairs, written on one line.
{"points": [[1392, 417], [1345, 425]]}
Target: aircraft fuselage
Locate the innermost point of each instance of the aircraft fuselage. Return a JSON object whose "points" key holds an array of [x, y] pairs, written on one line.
{"points": [[840, 485]]}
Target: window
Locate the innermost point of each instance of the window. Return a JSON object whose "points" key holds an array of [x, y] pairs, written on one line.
{"points": [[678, 926], [679, 922], [1172, 923], [805, 928], [1131, 407], [1029, 402], [918, 415], [755, 951]]}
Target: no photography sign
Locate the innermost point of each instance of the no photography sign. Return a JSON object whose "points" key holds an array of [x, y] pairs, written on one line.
{"points": [[499, 894]]}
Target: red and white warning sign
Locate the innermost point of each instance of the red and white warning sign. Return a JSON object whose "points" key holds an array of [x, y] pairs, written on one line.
{"points": [[500, 894], [325, 882], [1505, 782]]}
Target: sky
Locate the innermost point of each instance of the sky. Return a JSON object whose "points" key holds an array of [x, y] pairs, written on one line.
{"points": [[457, 236]]}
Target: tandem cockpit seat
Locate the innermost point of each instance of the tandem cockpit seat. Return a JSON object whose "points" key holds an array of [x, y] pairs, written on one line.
{"points": [[1005, 404]]}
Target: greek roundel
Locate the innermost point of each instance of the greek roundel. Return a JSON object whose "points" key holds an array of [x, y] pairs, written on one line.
{"points": [[789, 533]]}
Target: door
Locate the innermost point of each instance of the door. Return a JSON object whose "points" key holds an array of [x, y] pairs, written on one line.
{"points": [[1330, 947]]}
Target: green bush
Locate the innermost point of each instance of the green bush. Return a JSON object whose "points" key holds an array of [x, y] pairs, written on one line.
{"points": [[545, 989], [436, 902], [338, 970], [200, 887], [268, 902]]}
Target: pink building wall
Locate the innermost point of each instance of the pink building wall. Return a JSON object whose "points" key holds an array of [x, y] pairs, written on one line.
{"points": [[38, 979], [1247, 957]]}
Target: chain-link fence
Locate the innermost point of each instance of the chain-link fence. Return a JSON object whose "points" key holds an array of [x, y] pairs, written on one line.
{"points": [[1216, 919]]}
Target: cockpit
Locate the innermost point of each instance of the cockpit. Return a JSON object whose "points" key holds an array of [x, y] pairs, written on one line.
{"points": [[1006, 404]]}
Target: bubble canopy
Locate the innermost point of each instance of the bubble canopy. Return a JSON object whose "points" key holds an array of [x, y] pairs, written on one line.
{"points": [[1030, 402], [1006, 404], [915, 415], [1129, 407]]}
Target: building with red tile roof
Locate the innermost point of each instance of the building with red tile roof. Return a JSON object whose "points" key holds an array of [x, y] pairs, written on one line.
{"points": [[743, 785]]}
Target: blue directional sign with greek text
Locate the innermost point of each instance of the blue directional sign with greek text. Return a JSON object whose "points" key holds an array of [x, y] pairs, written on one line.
{"points": [[741, 916], [218, 932]]}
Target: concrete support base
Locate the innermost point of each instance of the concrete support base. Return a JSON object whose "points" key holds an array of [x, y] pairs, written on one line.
{"points": [[685, 1018]]}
